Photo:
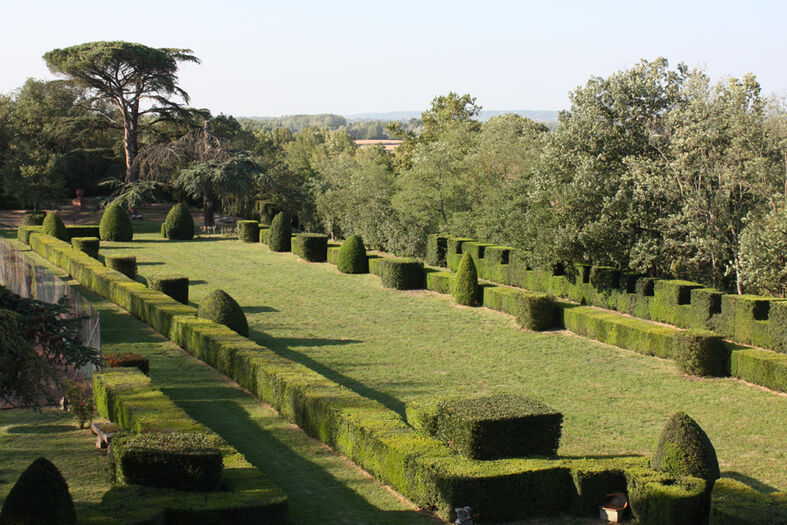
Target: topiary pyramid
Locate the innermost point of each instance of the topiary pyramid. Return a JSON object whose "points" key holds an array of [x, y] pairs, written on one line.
{"points": [[684, 449], [281, 233], [54, 226], [179, 225], [220, 308], [352, 256], [464, 285], [40, 495], [115, 224]]}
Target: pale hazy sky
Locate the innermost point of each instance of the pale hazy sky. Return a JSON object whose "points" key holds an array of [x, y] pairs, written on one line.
{"points": [[275, 58]]}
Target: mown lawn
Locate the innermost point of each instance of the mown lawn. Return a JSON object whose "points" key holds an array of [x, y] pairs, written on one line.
{"points": [[396, 346]]}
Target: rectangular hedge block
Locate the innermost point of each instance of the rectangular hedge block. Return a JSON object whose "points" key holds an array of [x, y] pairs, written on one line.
{"points": [[454, 249], [23, 233], [439, 282], [656, 497], [777, 326], [265, 233], [400, 274], [761, 367], [312, 247], [534, 311], [436, 247], [744, 318]]}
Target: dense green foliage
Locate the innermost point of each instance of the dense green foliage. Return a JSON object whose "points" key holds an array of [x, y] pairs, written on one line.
{"points": [[53, 225], [220, 308], [179, 225], [655, 497], [39, 496], [35, 218], [352, 256], [401, 274], [280, 236], [116, 224], [464, 287], [312, 247], [248, 231], [175, 286], [89, 245], [684, 449], [125, 264]]}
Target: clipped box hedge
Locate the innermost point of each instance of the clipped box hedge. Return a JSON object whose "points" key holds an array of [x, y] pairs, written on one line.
{"points": [[88, 245], [760, 367], [125, 264], [401, 274], [656, 497], [735, 503], [436, 247], [312, 247], [23, 233], [248, 231], [175, 286], [84, 230], [439, 282], [265, 235]]}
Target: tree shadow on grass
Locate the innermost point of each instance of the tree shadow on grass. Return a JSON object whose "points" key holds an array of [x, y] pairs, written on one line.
{"points": [[41, 429], [748, 480]]}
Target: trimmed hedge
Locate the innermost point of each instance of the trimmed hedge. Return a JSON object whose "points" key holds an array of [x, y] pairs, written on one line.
{"points": [[54, 226], [125, 264], [126, 360], [88, 245], [312, 247], [39, 496], [656, 497], [534, 311], [701, 353], [176, 460], [439, 282], [84, 230], [464, 286], [734, 503], [352, 256], [175, 286], [265, 234], [266, 211], [402, 274], [220, 307], [33, 218], [436, 247], [280, 236], [760, 367], [179, 224], [248, 231], [23, 233], [116, 224]]}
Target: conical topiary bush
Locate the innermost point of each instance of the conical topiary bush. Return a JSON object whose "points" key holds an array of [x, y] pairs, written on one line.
{"points": [[464, 286], [352, 256], [115, 224], [179, 225], [281, 233], [40, 495], [219, 307], [683, 449], [54, 226]]}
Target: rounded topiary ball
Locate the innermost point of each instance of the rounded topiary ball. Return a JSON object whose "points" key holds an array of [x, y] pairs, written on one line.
{"points": [[39, 496], [220, 308], [280, 236], [464, 286], [179, 225], [115, 224], [54, 226], [352, 256], [684, 449]]}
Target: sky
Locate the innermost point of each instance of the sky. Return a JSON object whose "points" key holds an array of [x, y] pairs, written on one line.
{"points": [[288, 57]]}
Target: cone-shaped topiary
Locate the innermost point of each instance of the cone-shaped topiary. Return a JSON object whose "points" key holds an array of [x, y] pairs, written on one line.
{"points": [[683, 449], [115, 224], [281, 233], [220, 308], [179, 225], [39, 496], [352, 256], [54, 226], [464, 286]]}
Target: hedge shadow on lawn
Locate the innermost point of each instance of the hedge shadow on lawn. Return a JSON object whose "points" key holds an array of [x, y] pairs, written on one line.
{"points": [[41, 429], [748, 480], [150, 263], [257, 309]]}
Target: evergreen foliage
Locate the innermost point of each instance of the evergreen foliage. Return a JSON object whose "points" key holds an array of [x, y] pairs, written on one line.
{"points": [[683, 449], [352, 256], [89, 245], [53, 225], [115, 224], [40, 496], [175, 286], [248, 231], [465, 284], [179, 225], [33, 218], [125, 264], [280, 238], [219, 307]]}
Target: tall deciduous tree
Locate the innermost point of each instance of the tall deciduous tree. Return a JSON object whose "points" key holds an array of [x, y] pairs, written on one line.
{"points": [[134, 78]]}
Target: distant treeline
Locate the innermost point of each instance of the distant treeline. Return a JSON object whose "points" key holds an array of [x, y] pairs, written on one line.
{"points": [[358, 129]]}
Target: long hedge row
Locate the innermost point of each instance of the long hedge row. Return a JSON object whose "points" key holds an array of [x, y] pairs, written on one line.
{"points": [[125, 396], [376, 438]]}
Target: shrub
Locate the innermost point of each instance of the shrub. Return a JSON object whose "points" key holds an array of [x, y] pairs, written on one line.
{"points": [[701, 353], [179, 224], [83, 230], [175, 286], [281, 233], [266, 211], [115, 224], [125, 264], [23, 233], [656, 497], [402, 274], [436, 247], [464, 287], [760, 367], [164, 229], [265, 234], [683, 449], [352, 256], [89, 245], [248, 231], [54, 226], [178, 460], [33, 218], [534, 311], [312, 247], [39, 496], [220, 308], [127, 360], [80, 401]]}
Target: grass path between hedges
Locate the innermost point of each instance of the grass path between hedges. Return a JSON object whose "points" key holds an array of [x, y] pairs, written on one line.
{"points": [[396, 346]]}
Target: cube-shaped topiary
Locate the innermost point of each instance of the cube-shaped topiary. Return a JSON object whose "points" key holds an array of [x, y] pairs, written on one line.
{"points": [[176, 460], [701, 353], [33, 218], [402, 274], [54, 226], [175, 286], [89, 245], [312, 247], [220, 308], [684, 449], [280, 236], [179, 225], [464, 286], [352, 256], [657, 497], [436, 247], [115, 224], [125, 264], [248, 231], [40, 495]]}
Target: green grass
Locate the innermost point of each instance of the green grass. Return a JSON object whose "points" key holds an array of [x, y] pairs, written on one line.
{"points": [[397, 346]]}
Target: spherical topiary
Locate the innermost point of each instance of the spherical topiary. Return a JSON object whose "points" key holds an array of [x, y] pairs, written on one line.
{"points": [[464, 286], [281, 233], [89, 245], [352, 256], [683, 449], [220, 308], [54, 226], [115, 224], [33, 218], [248, 231], [179, 225], [40, 495]]}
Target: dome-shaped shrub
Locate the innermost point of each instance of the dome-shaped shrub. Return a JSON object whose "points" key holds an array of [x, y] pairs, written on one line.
{"points": [[352, 256], [54, 226], [464, 286], [39, 496], [219, 307], [683, 449], [115, 224], [281, 233], [179, 225]]}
